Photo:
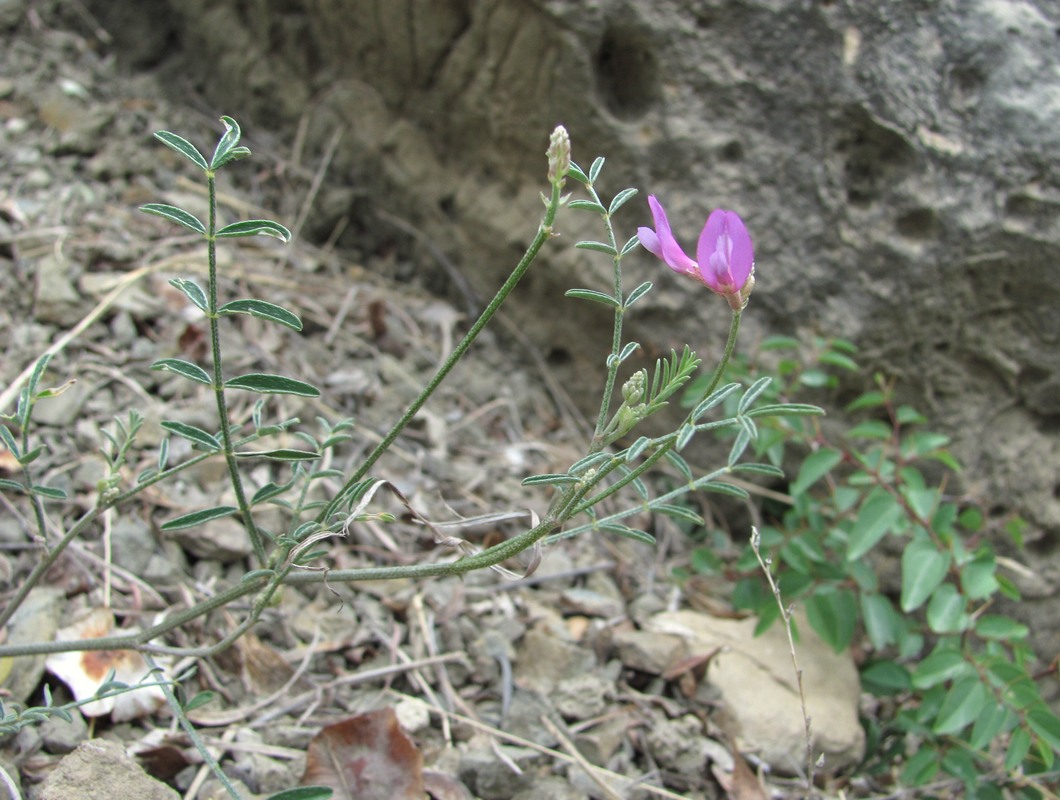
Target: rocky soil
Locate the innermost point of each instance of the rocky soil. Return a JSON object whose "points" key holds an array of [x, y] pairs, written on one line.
{"points": [[597, 676]]}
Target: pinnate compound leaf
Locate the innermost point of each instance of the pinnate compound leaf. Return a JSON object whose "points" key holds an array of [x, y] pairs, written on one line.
{"points": [[198, 518], [184, 147], [192, 291], [255, 227], [366, 757], [197, 435], [263, 310], [177, 215], [181, 367], [272, 384]]}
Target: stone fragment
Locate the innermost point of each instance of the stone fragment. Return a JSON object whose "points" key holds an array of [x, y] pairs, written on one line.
{"points": [[99, 769], [649, 651], [756, 683]]}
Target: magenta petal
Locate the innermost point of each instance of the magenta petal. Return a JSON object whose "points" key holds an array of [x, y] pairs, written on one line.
{"points": [[726, 255], [662, 242]]}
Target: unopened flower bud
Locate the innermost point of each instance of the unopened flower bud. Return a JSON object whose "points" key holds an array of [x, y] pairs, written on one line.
{"points": [[558, 155], [633, 389]]}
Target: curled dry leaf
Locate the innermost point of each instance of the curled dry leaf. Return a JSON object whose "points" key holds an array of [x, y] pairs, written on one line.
{"points": [[84, 672], [367, 757]]}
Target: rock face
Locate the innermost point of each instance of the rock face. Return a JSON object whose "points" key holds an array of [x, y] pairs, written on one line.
{"points": [[898, 165]]}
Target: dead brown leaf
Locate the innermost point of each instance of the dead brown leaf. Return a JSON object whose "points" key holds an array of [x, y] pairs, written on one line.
{"points": [[367, 757]]}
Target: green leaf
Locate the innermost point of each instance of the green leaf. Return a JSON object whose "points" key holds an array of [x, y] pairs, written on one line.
{"points": [[679, 463], [1046, 724], [198, 517], [599, 247], [587, 205], [630, 246], [786, 410], [263, 310], [880, 618], [184, 147], [11, 486], [638, 293], [990, 722], [939, 667], [281, 454], [760, 469], [596, 297], [272, 384], [228, 143], [923, 568], [48, 492], [197, 435], [964, 702], [706, 485], [577, 173], [595, 167], [255, 227], [557, 479], [199, 700], [752, 394], [1019, 744], [921, 767], [271, 490], [946, 611], [174, 214], [715, 398], [995, 626], [875, 519], [833, 613], [185, 368], [838, 360], [814, 467], [620, 200], [871, 429], [873, 399], [628, 533], [193, 292], [303, 793], [884, 678], [683, 513], [979, 576]]}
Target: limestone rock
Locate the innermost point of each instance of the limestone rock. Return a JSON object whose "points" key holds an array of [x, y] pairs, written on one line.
{"points": [[755, 679], [99, 769]]}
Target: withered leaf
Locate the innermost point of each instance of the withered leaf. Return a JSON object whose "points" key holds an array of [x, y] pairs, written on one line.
{"points": [[367, 757]]}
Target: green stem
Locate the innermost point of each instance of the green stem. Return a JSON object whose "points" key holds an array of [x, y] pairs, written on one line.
{"points": [[218, 379], [544, 233]]}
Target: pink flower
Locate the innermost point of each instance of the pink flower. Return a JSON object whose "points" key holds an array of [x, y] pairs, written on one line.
{"points": [[725, 256]]}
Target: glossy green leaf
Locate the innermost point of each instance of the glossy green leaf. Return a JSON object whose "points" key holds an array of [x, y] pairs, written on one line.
{"points": [[184, 147], [1046, 724], [979, 576], [833, 614], [185, 368], [174, 214], [880, 618], [197, 435], [192, 291], [198, 517], [883, 678], [995, 626], [814, 467], [263, 310], [875, 519], [923, 569], [596, 297], [964, 702], [939, 667], [280, 454], [255, 227], [946, 610], [272, 384]]}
